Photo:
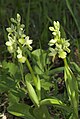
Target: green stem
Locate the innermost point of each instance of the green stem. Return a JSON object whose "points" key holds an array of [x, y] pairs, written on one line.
{"points": [[31, 71], [21, 70], [35, 79], [65, 62]]}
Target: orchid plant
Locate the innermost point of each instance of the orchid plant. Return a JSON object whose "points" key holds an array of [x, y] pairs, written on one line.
{"points": [[18, 44], [60, 47]]}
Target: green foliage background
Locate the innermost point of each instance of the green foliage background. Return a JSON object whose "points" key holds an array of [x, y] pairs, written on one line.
{"points": [[37, 15]]}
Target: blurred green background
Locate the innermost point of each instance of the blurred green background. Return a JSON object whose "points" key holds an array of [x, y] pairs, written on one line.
{"points": [[38, 15]]}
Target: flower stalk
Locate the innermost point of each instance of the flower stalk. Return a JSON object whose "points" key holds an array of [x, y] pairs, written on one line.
{"points": [[31, 71], [60, 47]]}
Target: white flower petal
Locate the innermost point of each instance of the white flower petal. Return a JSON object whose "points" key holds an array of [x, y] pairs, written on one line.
{"points": [[19, 56], [4, 117], [8, 43], [62, 54], [27, 38], [28, 42], [10, 49], [51, 28], [19, 51], [54, 33], [22, 40], [52, 42], [22, 59]]}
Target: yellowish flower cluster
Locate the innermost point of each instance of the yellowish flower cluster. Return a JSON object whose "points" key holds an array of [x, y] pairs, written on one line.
{"points": [[17, 40], [58, 46]]}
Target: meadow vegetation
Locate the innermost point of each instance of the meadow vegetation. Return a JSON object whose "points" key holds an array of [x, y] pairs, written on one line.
{"points": [[39, 59]]}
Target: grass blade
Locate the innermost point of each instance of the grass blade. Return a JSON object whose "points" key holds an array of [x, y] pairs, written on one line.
{"points": [[70, 9]]}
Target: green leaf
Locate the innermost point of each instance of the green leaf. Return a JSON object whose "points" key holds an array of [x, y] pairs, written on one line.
{"points": [[38, 87], [20, 110], [40, 61], [72, 88], [15, 95], [45, 84], [40, 57], [10, 66], [13, 98], [6, 83], [75, 66], [28, 77], [32, 94], [56, 70], [41, 113], [38, 70], [55, 102]]}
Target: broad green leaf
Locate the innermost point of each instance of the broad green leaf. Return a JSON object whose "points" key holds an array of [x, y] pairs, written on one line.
{"points": [[32, 94], [45, 84], [20, 110], [15, 95], [55, 102], [40, 57], [40, 62], [6, 83], [41, 113], [10, 66], [56, 70], [38, 70], [28, 77], [13, 98], [36, 54]]}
